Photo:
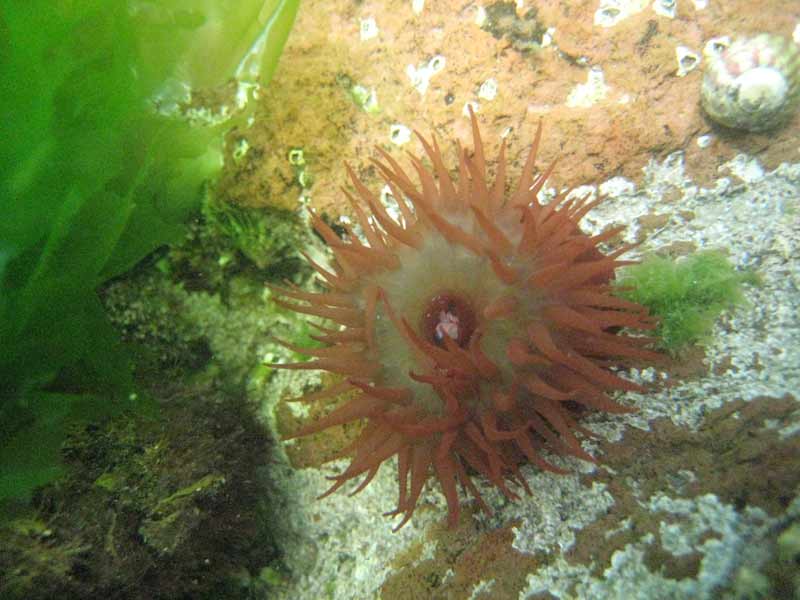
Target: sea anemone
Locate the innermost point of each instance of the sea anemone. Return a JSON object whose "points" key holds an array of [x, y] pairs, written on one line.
{"points": [[473, 328]]}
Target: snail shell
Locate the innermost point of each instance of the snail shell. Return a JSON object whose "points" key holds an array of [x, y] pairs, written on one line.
{"points": [[753, 83]]}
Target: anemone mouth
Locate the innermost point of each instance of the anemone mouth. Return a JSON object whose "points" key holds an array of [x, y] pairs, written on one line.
{"points": [[467, 332], [448, 315]]}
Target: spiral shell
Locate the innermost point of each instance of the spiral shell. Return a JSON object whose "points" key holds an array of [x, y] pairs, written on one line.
{"points": [[751, 84]]}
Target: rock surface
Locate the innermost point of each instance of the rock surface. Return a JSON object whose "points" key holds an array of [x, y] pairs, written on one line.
{"points": [[694, 490]]}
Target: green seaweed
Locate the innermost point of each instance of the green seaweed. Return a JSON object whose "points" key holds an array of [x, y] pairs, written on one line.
{"points": [[93, 180], [687, 296], [268, 237]]}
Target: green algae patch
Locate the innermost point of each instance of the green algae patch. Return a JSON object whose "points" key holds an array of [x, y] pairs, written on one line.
{"points": [[267, 237], [687, 295], [200, 486]]}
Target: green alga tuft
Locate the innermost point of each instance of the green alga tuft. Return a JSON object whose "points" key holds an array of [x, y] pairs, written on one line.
{"points": [[687, 295]]}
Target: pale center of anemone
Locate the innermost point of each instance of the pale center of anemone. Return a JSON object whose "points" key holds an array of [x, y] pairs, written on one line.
{"points": [[440, 289]]}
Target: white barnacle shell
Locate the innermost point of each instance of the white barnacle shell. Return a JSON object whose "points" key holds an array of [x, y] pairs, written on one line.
{"points": [[753, 83]]}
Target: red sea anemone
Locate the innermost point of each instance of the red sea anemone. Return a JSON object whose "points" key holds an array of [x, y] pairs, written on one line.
{"points": [[473, 328]]}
